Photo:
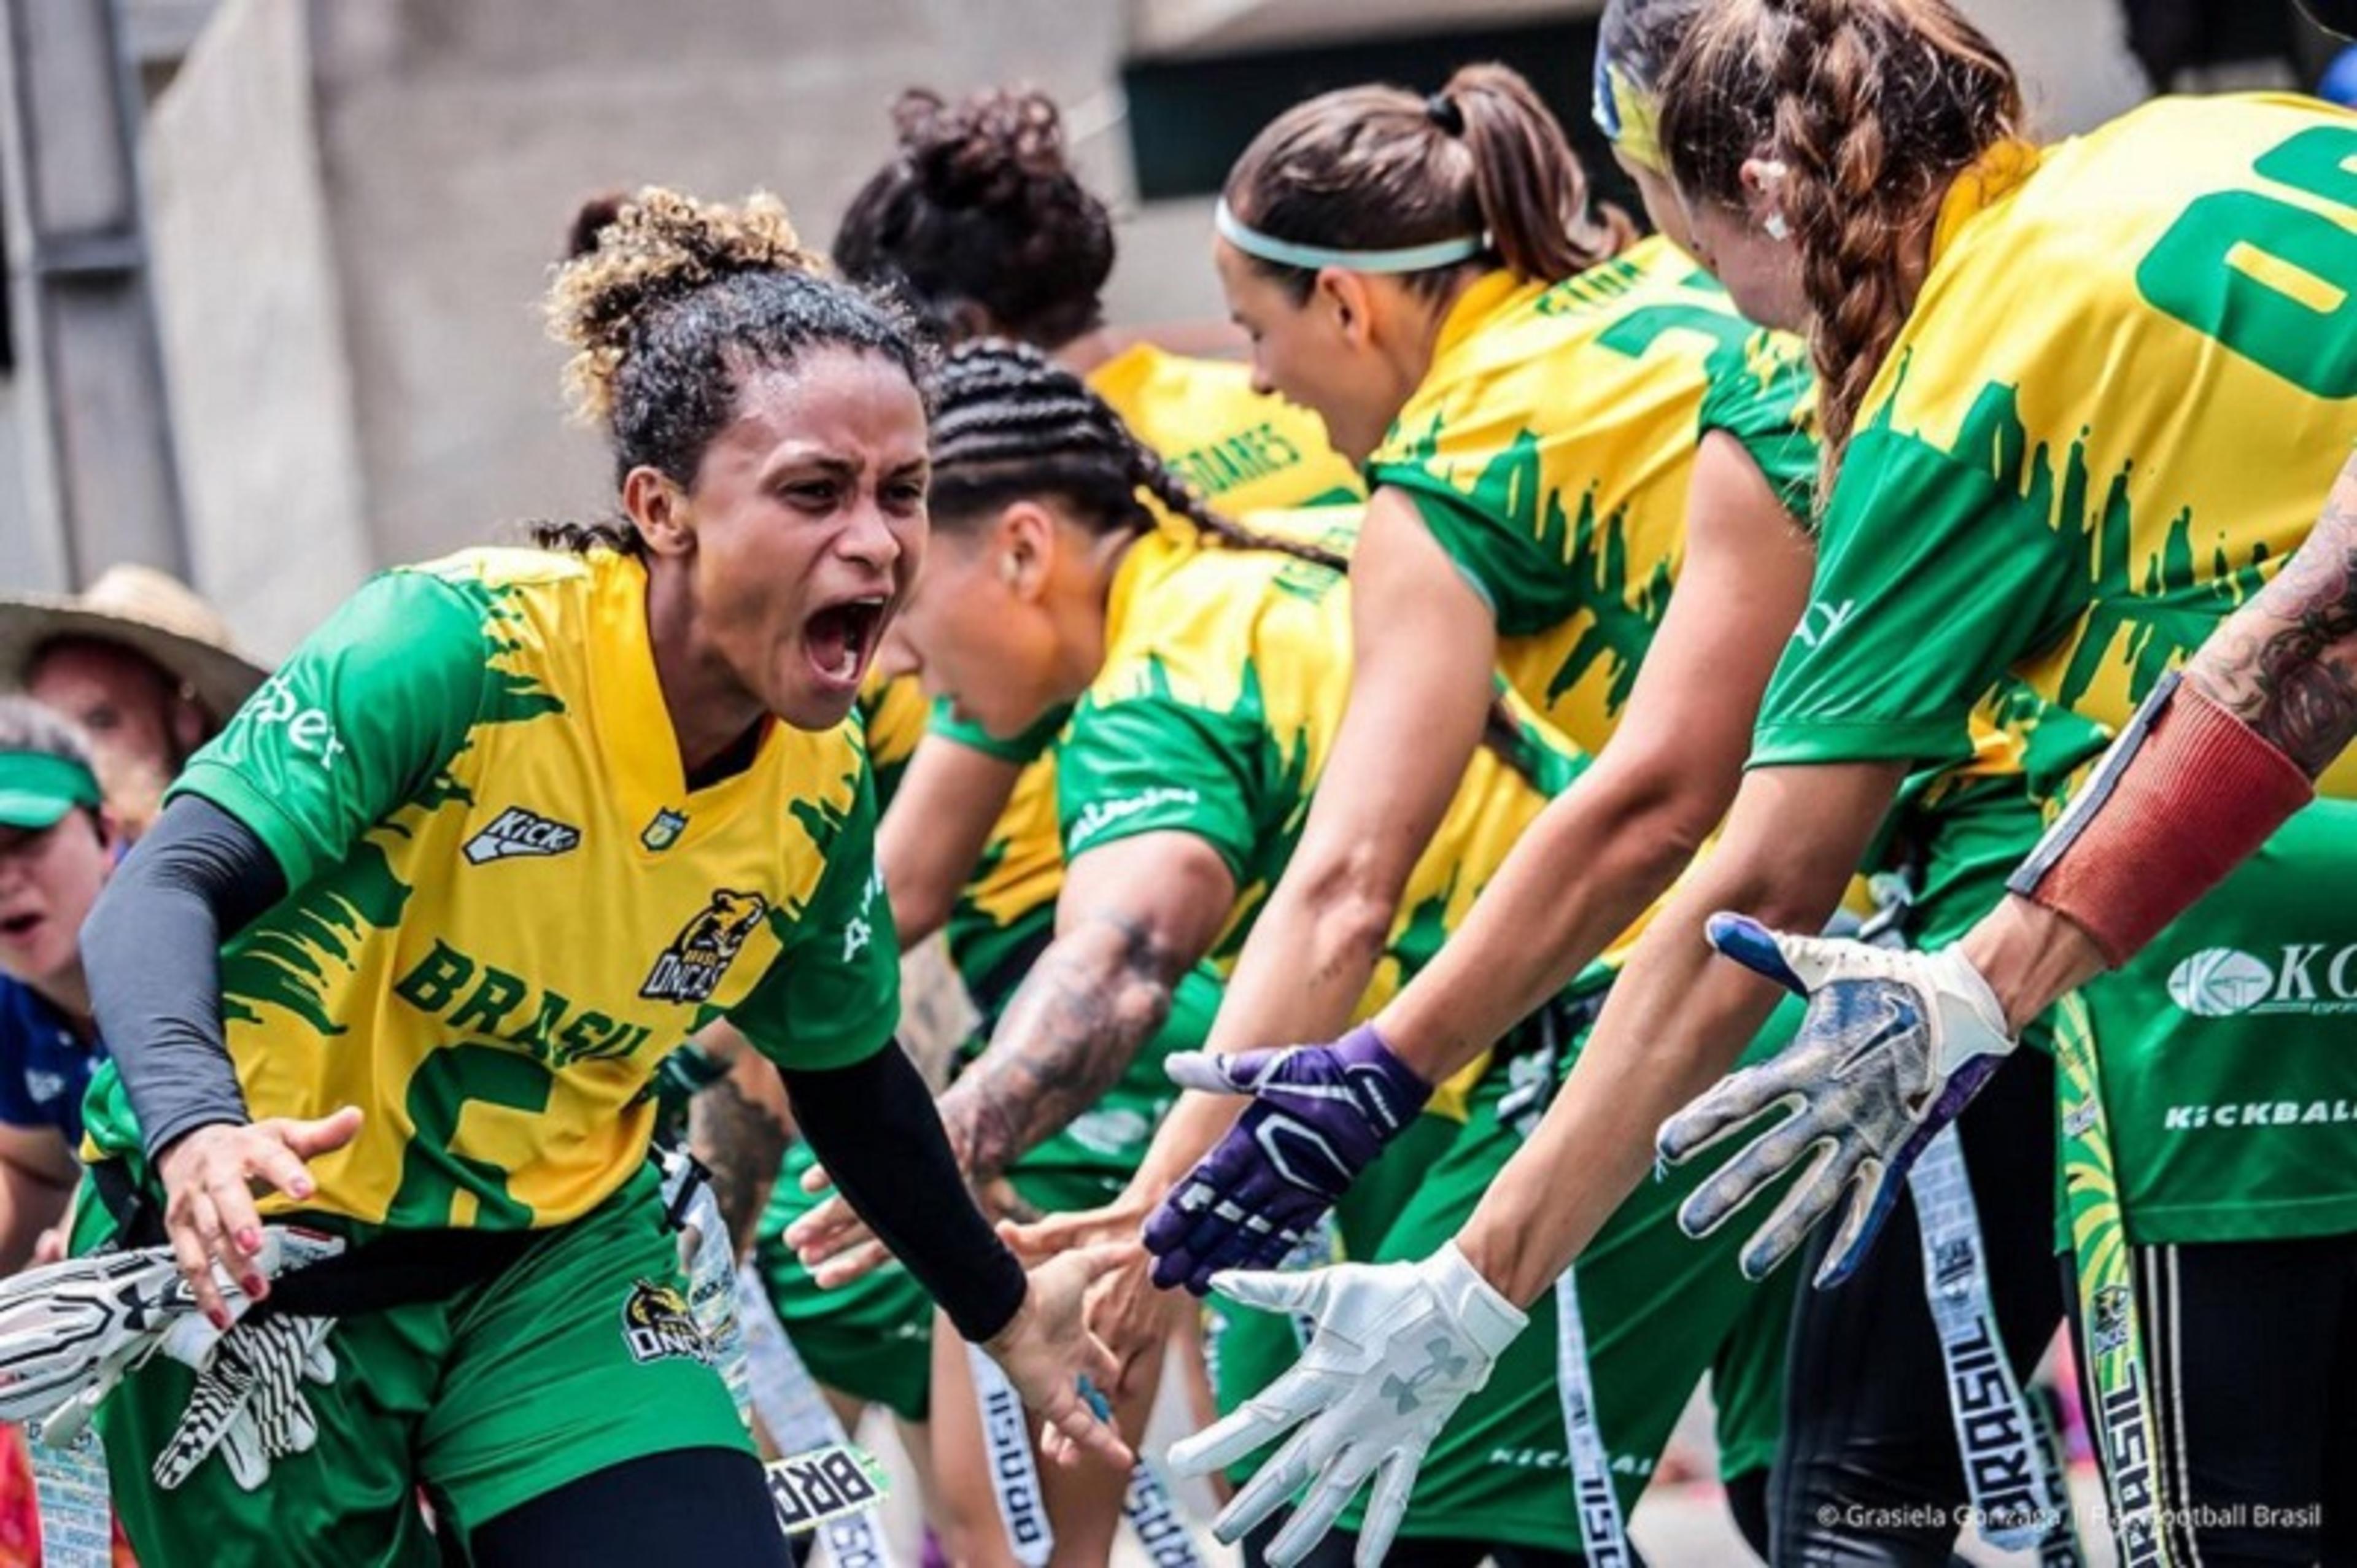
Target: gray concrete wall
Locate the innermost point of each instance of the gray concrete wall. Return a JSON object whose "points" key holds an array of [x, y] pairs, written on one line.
{"points": [[458, 135], [247, 293], [352, 250]]}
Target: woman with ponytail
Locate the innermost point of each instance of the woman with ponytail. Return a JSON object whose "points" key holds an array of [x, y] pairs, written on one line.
{"points": [[396, 967], [2078, 400], [1560, 427]]}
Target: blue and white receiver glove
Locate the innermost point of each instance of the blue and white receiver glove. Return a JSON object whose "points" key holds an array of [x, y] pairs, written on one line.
{"points": [[1397, 1348], [1318, 1116], [1895, 1045]]}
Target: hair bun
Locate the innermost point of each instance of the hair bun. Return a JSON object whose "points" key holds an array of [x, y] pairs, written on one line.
{"points": [[988, 149]]}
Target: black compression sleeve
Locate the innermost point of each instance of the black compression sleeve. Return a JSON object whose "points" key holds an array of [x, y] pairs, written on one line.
{"points": [[873, 1126], [152, 951]]}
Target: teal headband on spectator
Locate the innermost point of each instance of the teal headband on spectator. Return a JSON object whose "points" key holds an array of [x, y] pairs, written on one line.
{"points": [[38, 788], [1287, 254]]}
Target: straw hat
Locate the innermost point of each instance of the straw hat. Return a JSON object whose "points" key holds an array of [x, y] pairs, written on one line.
{"points": [[143, 609]]}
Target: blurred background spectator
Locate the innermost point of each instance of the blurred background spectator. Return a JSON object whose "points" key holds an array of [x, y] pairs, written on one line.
{"points": [[143, 666]]}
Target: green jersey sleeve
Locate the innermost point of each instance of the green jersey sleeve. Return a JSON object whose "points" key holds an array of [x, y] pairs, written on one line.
{"points": [[1759, 392], [1523, 583], [832, 997], [1144, 764], [371, 708], [1027, 747], [1932, 579]]}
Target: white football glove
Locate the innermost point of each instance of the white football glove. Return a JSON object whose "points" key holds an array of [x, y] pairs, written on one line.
{"points": [[69, 1331], [1398, 1347], [248, 1402]]}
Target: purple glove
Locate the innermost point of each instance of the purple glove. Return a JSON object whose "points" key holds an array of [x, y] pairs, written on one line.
{"points": [[1320, 1115]]}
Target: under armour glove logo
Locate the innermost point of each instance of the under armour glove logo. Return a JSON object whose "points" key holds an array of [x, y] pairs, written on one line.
{"points": [[1444, 1363]]}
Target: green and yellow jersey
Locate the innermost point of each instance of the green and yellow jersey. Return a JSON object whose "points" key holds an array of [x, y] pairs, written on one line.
{"points": [[1239, 450], [2119, 402], [505, 905], [893, 712], [1549, 447], [1225, 678], [2126, 389]]}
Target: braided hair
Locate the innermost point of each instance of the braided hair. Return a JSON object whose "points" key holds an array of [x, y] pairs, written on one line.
{"points": [[1011, 423], [1875, 107]]}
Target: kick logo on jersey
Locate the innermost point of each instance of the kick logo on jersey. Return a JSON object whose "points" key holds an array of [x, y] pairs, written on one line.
{"points": [[656, 1323], [2313, 978], [691, 968], [516, 831]]}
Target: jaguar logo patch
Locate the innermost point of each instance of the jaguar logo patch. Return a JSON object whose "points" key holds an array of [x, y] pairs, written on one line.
{"points": [[691, 968], [656, 1324]]}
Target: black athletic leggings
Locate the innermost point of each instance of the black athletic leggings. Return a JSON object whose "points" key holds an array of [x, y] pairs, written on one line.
{"points": [[2250, 1358], [1867, 1433], [692, 1505]]}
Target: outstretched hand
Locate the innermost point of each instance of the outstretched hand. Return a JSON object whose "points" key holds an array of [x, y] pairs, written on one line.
{"points": [[1398, 1347], [1318, 1116], [1895, 1046], [210, 1176], [1045, 1350]]}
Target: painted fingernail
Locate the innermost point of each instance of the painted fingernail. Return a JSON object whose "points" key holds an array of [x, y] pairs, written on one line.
{"points": [[249, 1240], [1095, 1398], [301, 1188], [254, 1286], [218, 1316]]}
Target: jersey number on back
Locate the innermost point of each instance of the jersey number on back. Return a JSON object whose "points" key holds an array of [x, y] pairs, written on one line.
{"points": [[2273, 281]]}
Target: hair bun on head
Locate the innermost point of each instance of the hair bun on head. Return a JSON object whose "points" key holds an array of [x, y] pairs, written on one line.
{"points": [[985, 150]]}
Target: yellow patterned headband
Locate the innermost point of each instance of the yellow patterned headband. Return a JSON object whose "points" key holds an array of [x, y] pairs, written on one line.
{"points": [[1629, 116]]}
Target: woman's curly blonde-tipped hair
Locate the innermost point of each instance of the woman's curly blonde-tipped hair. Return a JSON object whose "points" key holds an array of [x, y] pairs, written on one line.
{"points": [[660, 247]]}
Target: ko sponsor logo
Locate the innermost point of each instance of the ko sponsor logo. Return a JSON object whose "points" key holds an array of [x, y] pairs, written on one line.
{"points": [[2309, 978]]}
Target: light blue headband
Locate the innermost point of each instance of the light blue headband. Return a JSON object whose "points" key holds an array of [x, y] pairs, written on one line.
{"points": [[1287, 254]]}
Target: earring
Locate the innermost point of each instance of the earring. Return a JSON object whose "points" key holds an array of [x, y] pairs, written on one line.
{"points": [[1007, 570], [1776, 228]]}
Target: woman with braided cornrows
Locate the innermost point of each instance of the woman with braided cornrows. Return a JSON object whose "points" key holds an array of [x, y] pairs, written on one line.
{"points": [[981, 223], [1206, 666], [2006, 498], [411, 935]]}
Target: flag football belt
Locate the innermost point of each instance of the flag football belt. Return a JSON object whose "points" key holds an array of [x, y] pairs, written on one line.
{"points": [[399, 1268]]}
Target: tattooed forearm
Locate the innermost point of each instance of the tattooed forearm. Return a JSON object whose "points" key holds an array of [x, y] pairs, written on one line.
{"points": [[1096, 996], [2285, 663], [742, 1138]]}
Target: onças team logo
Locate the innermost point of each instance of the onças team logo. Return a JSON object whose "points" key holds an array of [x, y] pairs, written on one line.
{"points": [[2306, 977], [690, 969], [657, 1323]]}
